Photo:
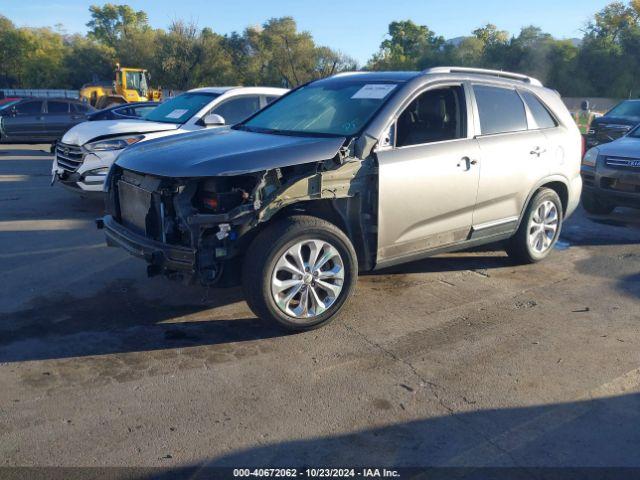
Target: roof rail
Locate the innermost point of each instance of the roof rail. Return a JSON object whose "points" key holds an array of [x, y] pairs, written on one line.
{"points": [[484, 71], [349, 72]]}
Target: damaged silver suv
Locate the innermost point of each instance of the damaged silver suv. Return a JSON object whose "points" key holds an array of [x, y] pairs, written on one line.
{"points": [[359, 171]]}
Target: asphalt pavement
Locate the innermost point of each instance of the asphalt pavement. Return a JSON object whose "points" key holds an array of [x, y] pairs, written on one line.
{"points": [[459, 360]]}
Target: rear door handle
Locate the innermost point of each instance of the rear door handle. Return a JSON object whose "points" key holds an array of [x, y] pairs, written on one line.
{"points": [[537, 151], [468, 162]]}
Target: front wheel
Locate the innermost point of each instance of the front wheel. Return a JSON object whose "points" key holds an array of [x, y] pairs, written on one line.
{"points": [[539, 229], [299, 272]]}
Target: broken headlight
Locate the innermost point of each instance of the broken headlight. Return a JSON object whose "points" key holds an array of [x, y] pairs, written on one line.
{"points": [[220, 195]]}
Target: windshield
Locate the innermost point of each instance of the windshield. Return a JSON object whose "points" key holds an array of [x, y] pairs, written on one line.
{"points": [[138, 81], [181, 108], [635, 133], [335, 108], [625, 109]]}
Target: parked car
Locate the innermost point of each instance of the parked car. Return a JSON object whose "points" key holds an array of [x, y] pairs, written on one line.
{"points": [[40, 120], [611, 175], [7, 101], [87, 151], [125, 111], [614, 124], [354, 172]]}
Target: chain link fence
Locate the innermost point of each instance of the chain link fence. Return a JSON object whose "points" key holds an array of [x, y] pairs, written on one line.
{"points": [[40, 92]]}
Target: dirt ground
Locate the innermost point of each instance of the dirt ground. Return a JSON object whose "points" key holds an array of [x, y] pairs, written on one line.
{"points": [[459, 360]]}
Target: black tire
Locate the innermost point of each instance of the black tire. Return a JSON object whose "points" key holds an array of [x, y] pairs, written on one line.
{"points": [[595, 205], [518, 246], [265, 251]]}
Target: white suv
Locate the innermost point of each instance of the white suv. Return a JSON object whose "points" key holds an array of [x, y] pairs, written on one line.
{"points": [[87, 151]]}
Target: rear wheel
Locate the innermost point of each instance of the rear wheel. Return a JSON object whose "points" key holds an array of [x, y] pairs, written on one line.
{"points": [[299, 272], [539, 229], [595, 205]]}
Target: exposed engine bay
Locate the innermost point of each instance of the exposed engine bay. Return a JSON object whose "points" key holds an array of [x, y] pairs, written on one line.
{"points": [[208, 222]]}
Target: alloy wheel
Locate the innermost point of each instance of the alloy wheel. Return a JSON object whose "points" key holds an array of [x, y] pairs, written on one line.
{"points": [[307, 279]]}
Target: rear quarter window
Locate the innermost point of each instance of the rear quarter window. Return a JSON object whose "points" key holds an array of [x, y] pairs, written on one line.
{"points": [[540, 113], [501, 110], [79, 107]]}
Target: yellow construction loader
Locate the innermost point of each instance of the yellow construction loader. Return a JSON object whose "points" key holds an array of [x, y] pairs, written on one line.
{"points": [[130, 85]]}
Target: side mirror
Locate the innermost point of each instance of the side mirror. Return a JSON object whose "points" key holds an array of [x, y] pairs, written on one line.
{"points": [[213, 119]]}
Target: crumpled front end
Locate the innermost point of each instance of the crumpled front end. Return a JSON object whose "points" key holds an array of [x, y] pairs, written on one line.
{"points": [[198, 228]]}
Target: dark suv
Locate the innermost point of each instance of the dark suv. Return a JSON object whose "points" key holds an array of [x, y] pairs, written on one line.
{"points": [[41, 120], [614, 124]]}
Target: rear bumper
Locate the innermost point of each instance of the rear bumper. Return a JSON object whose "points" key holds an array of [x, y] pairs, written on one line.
{"points": [[162, 255]]}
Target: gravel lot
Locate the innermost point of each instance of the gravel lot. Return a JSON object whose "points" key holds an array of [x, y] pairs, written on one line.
{"points": [[458, 360]]}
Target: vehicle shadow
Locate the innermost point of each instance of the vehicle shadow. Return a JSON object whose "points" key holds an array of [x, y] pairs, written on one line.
{"points": [[478, 259], [545, 441], [630, 285], [622, 227], [121, 319]]}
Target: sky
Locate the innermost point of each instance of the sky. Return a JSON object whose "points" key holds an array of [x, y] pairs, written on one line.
{"points": [[355, 27]]}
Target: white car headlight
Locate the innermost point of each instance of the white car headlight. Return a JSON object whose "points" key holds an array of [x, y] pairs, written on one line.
{"points": [[116, 143], [590, 157]]}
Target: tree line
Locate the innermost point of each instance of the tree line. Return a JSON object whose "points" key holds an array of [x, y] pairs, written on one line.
{"points": [[604, 62]]}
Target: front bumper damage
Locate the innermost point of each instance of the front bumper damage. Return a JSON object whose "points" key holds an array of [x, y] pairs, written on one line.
{"points": [[180, 240], [157, 254]]}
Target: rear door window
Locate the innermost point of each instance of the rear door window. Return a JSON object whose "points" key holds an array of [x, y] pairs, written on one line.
{"points": [[540, 113], [237, 109], [54, 107], [501, 110]]}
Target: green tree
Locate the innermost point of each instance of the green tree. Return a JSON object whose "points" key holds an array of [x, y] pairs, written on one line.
{"points": [[179, 52], [409, 47], [86, 60], [609, 53], [13, 49], [43, 64], [110, 23]]}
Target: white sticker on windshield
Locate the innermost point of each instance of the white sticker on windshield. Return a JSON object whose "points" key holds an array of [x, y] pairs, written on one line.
{"points": [[377, 91], [177, 113]]}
